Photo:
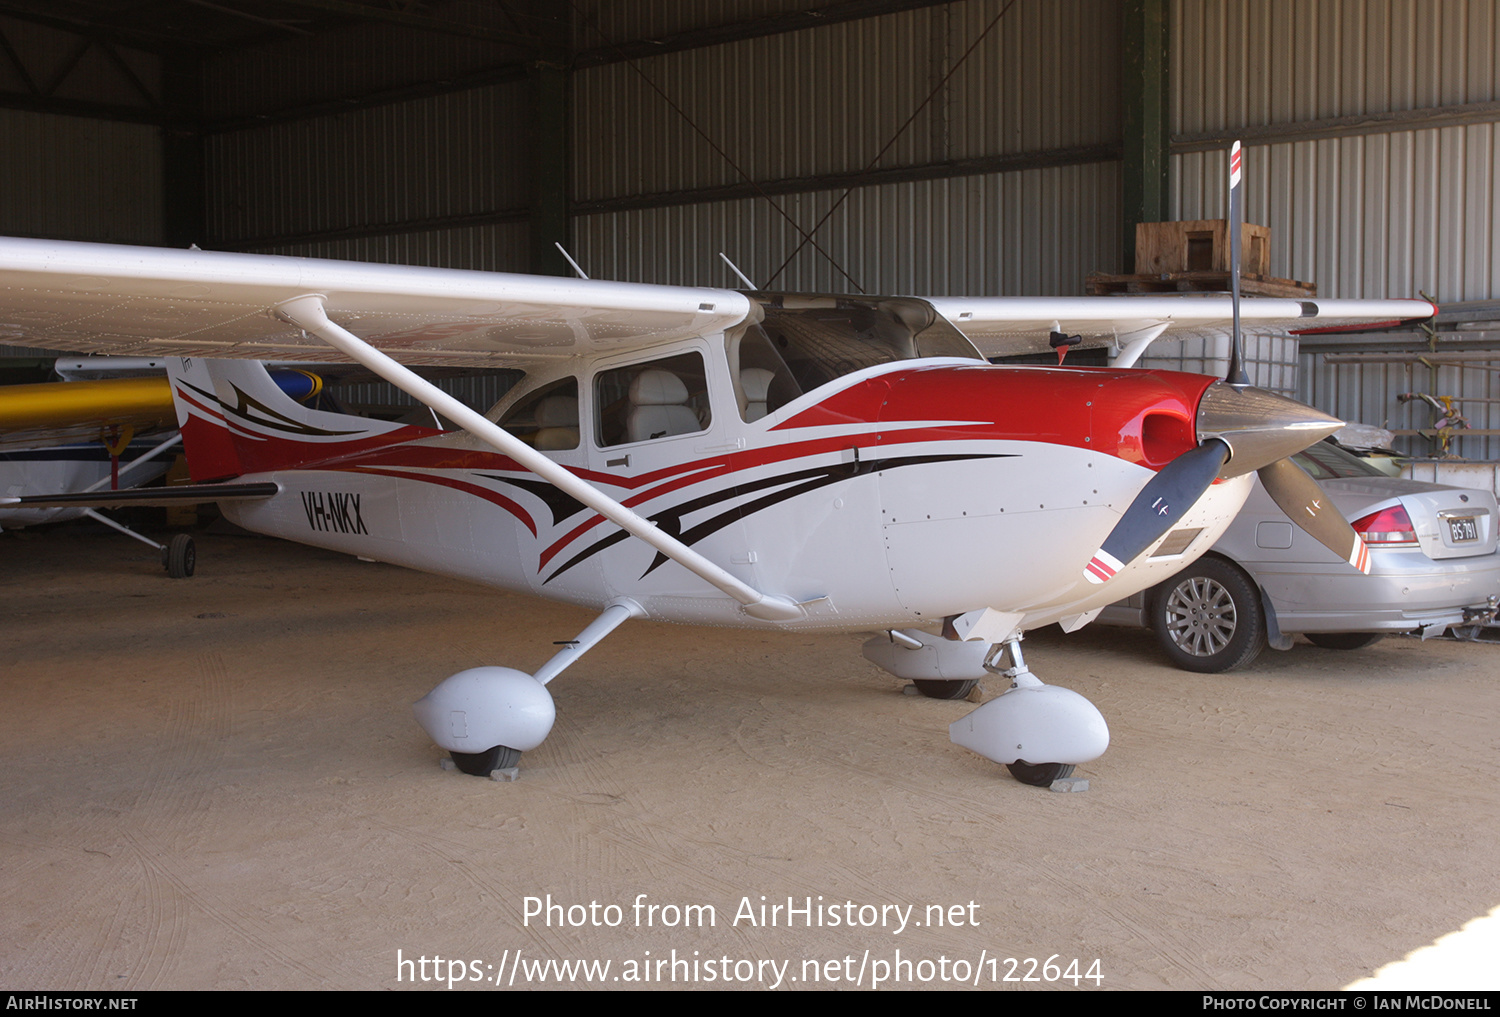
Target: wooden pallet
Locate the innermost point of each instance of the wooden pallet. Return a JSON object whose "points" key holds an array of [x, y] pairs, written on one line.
{"points": [[1099, 284]]}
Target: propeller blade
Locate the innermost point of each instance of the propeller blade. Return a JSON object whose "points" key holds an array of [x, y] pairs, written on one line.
{"points": [[1236, 375], [1308, 505], [1159, 507]]}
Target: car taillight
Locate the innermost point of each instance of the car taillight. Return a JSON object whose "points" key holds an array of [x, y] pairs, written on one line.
{"points": [[1386, 528]]}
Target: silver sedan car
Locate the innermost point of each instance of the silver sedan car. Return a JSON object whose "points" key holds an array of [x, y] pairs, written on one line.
{"points": [[1434, 565]]}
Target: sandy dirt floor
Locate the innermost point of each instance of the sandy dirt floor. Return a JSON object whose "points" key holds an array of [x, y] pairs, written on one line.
{"points": [[218, 783]]}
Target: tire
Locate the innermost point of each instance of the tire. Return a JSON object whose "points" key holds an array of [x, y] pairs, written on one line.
{"points": [[181, 557], [1343, 640], [479, 764], [1208, 617], [1039, 774], [937, 688]]}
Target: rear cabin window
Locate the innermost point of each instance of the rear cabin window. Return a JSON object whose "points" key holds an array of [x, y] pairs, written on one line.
{"points": [[655, 399], [547, 420]]}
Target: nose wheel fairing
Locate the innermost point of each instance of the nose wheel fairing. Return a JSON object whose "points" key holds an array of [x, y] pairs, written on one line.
{"points": [[1039, 731]]}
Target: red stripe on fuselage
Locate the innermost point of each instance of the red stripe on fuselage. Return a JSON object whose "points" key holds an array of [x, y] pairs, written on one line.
{"points": [[494, 497], [258, 452], [1099, 409]]}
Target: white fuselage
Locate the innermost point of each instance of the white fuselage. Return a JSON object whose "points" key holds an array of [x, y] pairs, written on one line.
{"points": [[868, 523]]}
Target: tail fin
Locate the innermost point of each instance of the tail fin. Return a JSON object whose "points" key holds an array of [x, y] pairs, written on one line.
{"points": [[235, 419]]}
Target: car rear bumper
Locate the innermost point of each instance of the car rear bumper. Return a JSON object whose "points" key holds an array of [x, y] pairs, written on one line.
{"points": [[1405, 591]]}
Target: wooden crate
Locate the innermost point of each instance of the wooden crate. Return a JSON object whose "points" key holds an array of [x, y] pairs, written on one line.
{"points": [[1199, 245], [1193, 257]]}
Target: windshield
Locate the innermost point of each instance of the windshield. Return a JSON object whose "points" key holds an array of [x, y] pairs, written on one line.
{"points": [[802, 342]]}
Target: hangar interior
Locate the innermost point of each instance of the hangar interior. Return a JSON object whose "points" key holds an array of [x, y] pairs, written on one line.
{"points": [[240, 798], [1001, 147]]}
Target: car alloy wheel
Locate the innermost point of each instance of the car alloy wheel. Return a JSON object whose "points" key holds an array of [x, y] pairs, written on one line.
{"points": [[1208, 617]]}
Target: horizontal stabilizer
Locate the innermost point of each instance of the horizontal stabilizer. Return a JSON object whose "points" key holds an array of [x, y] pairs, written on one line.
{"points": [[151, 497]]}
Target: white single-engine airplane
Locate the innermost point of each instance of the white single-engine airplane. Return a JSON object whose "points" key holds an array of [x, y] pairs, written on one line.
{"points": [[770, 461]]}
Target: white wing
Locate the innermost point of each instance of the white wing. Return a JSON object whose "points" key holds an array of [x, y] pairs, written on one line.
{"points": [[1010, 325], [145, 301]]}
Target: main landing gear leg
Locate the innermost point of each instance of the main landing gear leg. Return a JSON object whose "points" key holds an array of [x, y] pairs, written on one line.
{"points": [[179, 557], [487, 716], [1031, 721]]}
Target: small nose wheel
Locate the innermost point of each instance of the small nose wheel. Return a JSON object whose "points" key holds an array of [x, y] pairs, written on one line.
{"points": [[482, 764], [1039, 774]]}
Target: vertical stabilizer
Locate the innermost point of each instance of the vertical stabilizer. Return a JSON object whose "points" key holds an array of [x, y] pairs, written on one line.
{"points": [[237, 420]]}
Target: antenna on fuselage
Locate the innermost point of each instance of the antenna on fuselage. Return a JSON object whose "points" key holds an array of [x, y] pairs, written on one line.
{"points": [[564, 252], [736, 270]]}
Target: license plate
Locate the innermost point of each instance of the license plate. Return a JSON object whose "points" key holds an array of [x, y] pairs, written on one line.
{"points": [[1462, 529]]}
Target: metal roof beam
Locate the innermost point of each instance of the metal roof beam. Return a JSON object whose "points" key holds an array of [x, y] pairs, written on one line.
{"points": [[979, 166], [1422, 119], [93, 110], [421, 22], [150, 42], [773, 24]]}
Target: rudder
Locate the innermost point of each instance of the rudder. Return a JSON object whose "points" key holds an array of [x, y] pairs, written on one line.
{"points": [[236, 420]]}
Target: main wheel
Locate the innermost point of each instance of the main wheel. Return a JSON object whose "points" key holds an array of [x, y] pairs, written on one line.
{"points": [[1343, 640], [180, 557], [1039, 774], [479, 764], [1208, 617], [937, 688]]}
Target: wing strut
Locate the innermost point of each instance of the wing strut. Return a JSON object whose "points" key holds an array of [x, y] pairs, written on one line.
{"points": [[307, 313], [1133, 344]]}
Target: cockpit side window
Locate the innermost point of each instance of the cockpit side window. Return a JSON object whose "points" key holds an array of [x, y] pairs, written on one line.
{"points": [[763, 382], [654, 399], [547, 419]]}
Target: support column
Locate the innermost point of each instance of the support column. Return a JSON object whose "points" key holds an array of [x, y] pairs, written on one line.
{"points": [[184, 209], [1147, 127], [550, 101]]}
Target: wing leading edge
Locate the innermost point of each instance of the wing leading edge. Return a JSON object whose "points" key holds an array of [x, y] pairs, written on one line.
{"points": [[106, 298], [147, 301], [1001, 326]]}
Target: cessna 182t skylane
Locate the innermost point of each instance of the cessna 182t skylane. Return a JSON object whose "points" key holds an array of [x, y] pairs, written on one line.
{"points": [[716, 457]]}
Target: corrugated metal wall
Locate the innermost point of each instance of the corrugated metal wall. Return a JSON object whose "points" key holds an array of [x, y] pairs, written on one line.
{"points": [[1382, 213], [1385, 211], [363, 184], [828, 101], [1374, 216], [1361, 377], [79, 179], [353, 61], [1034, 232], [443, 179], [1367, 393]]}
